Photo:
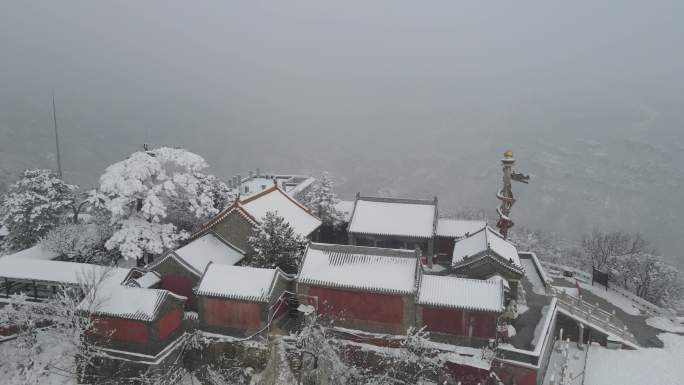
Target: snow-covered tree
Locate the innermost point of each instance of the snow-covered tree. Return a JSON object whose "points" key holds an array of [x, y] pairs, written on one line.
{"points": [[84, 242], [601, 247], [649, 277], [156, 197], [275, 244], [321, 200], [33, 206]]}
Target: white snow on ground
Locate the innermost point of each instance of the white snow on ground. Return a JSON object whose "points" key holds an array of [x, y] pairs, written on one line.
{"points": [[54, 363], [650, 366], [565, 352], [572, 291], [533, 276], [614, 298], [674, 325]]}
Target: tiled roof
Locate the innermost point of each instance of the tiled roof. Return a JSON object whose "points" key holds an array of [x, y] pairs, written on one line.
{"points": [[238, 282], [255, 207], [461, 293], [486, 242], [209, 248], [398, 217], [355, 267], [275, 199], [58, 272], [110, 298]]}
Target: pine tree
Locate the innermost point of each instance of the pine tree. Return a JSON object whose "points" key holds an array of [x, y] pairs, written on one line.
{"points": [[33, 206], [275, 244], [321, 200]]}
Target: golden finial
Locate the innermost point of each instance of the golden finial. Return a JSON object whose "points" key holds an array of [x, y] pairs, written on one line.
{"points": [[508, 154]]}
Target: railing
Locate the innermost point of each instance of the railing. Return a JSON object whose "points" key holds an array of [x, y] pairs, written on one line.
{"points": [[585, 277], [593, 315]]}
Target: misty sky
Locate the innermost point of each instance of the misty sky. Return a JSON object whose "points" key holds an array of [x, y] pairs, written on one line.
{"points": [[392, 97]]}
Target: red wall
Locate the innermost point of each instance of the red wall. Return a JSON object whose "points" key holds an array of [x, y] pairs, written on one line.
{"points": [[358, 305], [121, 329], [178, 284], [168, 323], [445, 245], [451, 321], [232, 314]]}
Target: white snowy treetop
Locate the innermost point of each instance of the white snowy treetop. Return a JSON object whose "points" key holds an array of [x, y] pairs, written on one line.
{"points": [[138, 236], [148, 176], [163, 187]]}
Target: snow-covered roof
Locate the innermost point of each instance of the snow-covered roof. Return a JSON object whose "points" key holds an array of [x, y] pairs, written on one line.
{"points": [[275, 199], [209, 248], [57, 272], [458, 228], [238, 282], [387, 216], [356, 267], [110, 297], [461, 293], [126, 302], [345, 208], [36, 252], [147, 280], [486, 242]]}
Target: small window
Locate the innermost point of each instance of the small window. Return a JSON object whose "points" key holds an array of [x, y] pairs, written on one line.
{"points": [[246, 189]]}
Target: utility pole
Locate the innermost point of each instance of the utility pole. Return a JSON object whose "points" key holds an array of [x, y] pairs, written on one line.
{"points": [[54, 119]]}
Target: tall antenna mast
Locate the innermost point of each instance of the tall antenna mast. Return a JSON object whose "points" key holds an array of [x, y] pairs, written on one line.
{"points": [[54, 119], [505, 195]]}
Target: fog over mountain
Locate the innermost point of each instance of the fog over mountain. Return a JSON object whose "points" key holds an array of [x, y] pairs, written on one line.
{"points": [[392, 97]]}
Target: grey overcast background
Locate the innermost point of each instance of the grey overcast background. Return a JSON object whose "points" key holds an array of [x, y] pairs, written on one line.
{"points": [[408, 98]]}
